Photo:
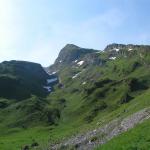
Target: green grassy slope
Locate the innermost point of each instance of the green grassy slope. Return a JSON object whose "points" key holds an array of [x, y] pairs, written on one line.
{"points": [[103, 90]]}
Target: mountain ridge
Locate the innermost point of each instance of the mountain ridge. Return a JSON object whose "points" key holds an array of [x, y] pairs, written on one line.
{"points": [[87, 89]]}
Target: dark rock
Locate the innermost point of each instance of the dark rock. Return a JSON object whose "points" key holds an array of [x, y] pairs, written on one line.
{"points": [[26, 147], [34, 144]]}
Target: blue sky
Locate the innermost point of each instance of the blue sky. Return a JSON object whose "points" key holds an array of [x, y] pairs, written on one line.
{"points": [[36, 30]]}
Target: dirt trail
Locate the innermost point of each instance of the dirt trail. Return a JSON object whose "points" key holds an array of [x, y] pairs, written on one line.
{"points": [[103, 134]]}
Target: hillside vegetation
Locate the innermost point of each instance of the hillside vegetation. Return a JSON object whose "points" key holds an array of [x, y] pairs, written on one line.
{"points": [[94, 88]]}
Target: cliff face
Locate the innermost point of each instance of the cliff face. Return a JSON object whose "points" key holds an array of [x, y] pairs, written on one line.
{"points": [[20, 79], [71, 53]]}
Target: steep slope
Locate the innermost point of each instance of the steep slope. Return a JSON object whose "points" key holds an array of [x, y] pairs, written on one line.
{"points": [[19, 80], [70, 55], [103, 91], [95, 87]]}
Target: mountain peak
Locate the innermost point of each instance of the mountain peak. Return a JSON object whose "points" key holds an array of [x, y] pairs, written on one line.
{"points": [[71, 46], [72, 52]]}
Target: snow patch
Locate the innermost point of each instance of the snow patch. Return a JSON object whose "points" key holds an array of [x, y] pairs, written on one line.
{"points": [[48, 88], [51, 80], [60, 61], [80, 63], [116, 49], [76, 75], [83, 83], [112, 58], [53, 73], [76, 60], [130, 49]]}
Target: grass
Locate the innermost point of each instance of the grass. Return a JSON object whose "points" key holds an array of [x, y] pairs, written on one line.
{"points": [[77, 108], [67, 127]]}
